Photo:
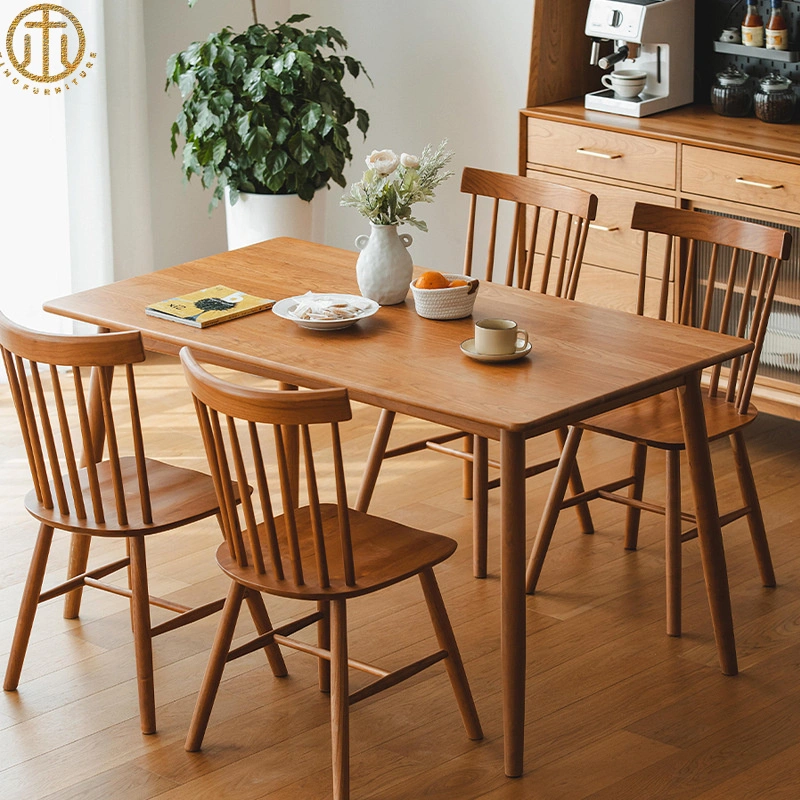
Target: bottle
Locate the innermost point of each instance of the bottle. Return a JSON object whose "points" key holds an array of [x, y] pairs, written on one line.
{"points": [[752, 27], [777, 30]]}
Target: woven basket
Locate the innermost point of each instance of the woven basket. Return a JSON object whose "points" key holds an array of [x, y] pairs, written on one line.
{"points": [[453, 303]]}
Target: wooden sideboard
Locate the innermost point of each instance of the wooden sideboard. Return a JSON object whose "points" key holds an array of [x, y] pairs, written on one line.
{"points": [[688, 157]]}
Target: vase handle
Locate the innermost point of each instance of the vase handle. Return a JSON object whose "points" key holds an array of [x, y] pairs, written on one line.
{"points": [[406, 239], [361, 241]]}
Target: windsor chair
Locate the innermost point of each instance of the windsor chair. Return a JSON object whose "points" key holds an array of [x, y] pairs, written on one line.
{"points": [[323, 553], [122, 496], [735, 296], [546, 240]]}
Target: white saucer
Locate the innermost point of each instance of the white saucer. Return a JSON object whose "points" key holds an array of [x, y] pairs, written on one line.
{"points": [[468, 349]]}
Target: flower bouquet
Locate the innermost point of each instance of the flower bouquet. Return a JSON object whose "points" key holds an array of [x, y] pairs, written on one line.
{"points": [[392, 184]]}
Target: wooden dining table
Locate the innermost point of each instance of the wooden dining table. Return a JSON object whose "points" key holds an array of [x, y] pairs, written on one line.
{"points": [[584, 360]]}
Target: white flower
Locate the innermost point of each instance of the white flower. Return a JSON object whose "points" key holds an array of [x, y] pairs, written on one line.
{"points": [[384, 162], [409, 161]]}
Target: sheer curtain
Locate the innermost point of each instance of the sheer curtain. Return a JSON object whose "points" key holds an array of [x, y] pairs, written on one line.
{"points": [[76, 213]]}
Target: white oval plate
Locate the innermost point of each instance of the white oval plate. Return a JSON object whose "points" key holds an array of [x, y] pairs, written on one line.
{"points": [[284, 308], [468, 349]]}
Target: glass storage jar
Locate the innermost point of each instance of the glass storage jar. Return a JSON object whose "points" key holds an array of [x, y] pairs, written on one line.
{"points": [[730, 95], [774, 100]]}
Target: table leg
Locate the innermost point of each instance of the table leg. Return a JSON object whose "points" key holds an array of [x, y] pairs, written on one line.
{"points": [[512, 507], [79, 544], [709, 532]]}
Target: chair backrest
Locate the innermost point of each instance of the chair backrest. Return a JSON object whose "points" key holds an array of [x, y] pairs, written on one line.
{"points": [[732, 293], [232, 419], [547, 219], [56, 408]]}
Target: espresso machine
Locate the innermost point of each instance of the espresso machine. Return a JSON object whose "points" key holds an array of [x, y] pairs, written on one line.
{"points": [[653, 36]]}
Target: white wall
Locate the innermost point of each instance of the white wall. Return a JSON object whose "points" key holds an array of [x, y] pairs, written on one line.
{"points": [[441, 70]]}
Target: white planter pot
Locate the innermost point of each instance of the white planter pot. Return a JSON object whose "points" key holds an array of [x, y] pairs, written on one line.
{"points": [[257, 217], [384, 268]]}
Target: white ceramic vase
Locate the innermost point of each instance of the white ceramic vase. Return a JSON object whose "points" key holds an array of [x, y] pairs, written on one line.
{"points": [[384, 268], [256, 217]]}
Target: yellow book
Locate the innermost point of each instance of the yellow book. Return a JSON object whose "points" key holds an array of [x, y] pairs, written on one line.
{"points": [[208, 306]]}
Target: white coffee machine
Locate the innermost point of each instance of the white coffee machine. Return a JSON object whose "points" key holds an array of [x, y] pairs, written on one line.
{"points": [[654, 36]]}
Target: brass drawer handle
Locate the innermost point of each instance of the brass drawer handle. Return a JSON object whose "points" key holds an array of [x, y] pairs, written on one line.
{"points": [[759, 184], [598, 153], [606, 228]]}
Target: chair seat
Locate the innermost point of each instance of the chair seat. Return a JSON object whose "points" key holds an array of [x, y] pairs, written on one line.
{"points": [[386, 553], [656, 421], [177, 495]]}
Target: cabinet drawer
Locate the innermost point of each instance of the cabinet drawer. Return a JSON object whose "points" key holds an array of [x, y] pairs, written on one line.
{"points": [[743, 179], [598, 152], [608, 288], [611, 242]]}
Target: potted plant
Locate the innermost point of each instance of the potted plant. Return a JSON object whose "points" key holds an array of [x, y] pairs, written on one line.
{"points": [[264, 117]]}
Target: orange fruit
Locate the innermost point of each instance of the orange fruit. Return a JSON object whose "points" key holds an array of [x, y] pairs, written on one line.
{"points": [[457, 282], [432, 280]]}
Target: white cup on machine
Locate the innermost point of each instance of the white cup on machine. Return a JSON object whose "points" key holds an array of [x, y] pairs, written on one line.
{"points": [[626, 83]]}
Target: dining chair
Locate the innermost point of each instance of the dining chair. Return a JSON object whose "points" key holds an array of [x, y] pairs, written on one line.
{"points": [[123, 496], [546, 235], [730, 289], [323, 553]]}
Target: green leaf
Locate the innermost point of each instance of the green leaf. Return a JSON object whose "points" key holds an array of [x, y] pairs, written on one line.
{"points": [[362, 121], [310, 116], [283, 129], [276, 161], [186, 83], [172, 62], [353, 66], [220, 149], [260, 143], [299, 149]]}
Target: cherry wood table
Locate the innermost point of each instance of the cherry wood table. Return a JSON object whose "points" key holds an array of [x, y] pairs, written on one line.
{"points": [[584, 360]]}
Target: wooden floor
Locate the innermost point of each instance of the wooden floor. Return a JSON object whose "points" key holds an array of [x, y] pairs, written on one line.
{"points": [[615, 708]]}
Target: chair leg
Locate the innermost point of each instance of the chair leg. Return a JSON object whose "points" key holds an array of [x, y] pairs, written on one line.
{"points": [[374, 460], [633, 515], [467, 489], [755, 520], [576, 487], [258, 611], [673, 542], [480, 506], [78, 559], [142, 639], [453, 662], [324, 643], [216, 665], [28, 606], [340, 702], [552, 508]]}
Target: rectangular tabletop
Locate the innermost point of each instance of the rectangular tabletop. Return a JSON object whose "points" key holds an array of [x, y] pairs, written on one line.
{"points": [[584, 359]]}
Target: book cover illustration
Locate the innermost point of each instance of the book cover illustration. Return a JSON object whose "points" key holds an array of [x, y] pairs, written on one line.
{"points": [[208, 306]]}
